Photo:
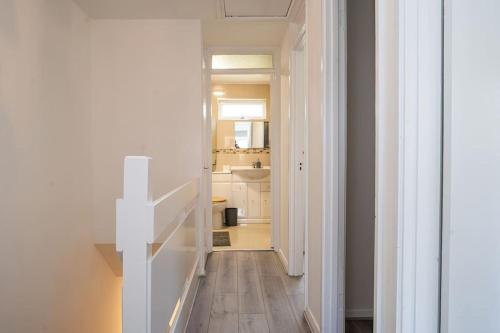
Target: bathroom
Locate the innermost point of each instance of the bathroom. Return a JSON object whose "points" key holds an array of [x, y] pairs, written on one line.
{"points": [[241, 162]]}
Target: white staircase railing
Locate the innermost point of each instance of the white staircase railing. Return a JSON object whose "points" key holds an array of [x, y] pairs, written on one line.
{"points": [[161, 246]]}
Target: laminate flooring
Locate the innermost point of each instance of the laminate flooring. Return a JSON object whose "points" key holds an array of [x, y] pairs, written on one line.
{"points": [[248, 292], [358, 326]]}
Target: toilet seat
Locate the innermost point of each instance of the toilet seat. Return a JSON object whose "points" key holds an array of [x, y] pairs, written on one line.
{"points": [[216, 199]]}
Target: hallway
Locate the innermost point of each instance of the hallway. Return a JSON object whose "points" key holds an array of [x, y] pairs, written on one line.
{"points": [[248, 291]]}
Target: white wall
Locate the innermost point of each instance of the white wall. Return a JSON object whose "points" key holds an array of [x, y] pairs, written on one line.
{"points": [[360, 200], [315, 143], [147, 95], [471, 235], [52, 277]]}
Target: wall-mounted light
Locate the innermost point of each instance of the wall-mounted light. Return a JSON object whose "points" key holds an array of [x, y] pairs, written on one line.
{"points": [[218, 93]]}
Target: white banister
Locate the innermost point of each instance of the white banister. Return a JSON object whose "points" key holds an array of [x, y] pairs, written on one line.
{"points": [[155, 288]]}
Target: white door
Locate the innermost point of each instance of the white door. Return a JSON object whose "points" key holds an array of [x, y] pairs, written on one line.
{"points": [[298, 167], [471, 194]]}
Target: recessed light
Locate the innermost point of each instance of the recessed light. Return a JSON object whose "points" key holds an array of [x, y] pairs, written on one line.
{"points": [[218, 93]]}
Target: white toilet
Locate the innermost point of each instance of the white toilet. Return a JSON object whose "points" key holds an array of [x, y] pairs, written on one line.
{"points": [[218, 207]]}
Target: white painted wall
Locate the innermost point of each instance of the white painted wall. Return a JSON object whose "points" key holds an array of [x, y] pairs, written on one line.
{"points": [[360, 186], [315, 142], [471, 235], [52, 277], [147, 100]]}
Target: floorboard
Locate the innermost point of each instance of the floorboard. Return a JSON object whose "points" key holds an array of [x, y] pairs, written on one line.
{"points": [[358, 326], [248, 292], [200, 314], [253, 323], [227, 278], [224, 314]]}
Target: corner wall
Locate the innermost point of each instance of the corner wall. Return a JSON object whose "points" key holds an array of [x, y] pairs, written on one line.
{"points": [[52, 277]]}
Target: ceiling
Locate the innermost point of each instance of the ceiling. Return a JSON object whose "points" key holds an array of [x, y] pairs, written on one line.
{"points": [[150, 9], [256, 8], [263, 30]]}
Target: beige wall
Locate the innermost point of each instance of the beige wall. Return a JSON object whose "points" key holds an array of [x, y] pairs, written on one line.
{"points": [[52, 277], [360, 200], [315, 199], [224, 129], [147, 94]]}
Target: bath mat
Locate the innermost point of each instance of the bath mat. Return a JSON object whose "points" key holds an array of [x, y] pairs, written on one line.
{"points": [[221, 238]]}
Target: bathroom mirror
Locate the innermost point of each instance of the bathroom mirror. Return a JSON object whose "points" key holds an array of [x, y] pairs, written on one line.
{"points": [[250, 134]]}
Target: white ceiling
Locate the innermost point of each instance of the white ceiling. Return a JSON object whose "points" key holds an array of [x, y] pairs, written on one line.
{"points": [[150, 9], [216, 31], [257, 8]]}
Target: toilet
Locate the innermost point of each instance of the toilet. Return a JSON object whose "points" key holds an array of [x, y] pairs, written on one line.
{"points": [[218, 207]]}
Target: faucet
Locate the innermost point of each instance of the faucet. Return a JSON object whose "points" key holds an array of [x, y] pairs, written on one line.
{"points": [[257, 164]]}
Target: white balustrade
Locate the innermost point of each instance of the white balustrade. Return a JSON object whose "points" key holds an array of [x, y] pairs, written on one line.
{"points": [[161, 245]]}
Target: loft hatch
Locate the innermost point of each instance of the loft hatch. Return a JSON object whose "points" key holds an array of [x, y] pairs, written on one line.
{"points": [[256, 8]]}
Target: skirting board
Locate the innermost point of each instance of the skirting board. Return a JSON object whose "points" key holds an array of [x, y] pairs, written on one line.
{"points": [[311, 321], [187, 301], [283, 260], [359, 313]]}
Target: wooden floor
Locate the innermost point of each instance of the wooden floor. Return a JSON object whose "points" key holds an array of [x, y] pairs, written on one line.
{"points": [[358, 326], [248, 292]]}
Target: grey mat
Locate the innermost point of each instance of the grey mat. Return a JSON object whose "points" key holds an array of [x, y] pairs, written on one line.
{"points": [[221, 238]]}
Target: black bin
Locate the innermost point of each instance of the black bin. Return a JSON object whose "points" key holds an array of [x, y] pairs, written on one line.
{"points": [[231, 217]]}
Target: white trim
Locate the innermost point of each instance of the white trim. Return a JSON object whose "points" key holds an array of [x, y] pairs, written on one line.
{"points": [[207, 156], [311, 321], [334, 165], [296, 238], [408, 165], [359, 313], [283, 260]]}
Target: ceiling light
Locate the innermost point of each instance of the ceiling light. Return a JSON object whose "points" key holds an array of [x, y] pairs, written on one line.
{"points": [[218, 93]]}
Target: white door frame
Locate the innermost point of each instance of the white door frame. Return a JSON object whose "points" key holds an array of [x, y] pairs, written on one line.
{"points": [[334, 165], [408, 165], [297, 226], [206, 190], [275, 133]]}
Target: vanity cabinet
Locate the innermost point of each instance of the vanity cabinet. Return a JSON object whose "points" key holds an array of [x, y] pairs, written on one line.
{"points": [[239, 198], [265, 205], [252, 198]]}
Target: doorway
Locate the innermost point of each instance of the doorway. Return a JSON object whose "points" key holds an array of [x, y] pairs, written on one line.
{"points": [[241, 145]]}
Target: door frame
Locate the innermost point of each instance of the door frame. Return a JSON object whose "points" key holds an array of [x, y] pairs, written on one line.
{"points": [[408, 165], [334, 165], [297, 229], [275, 125]]}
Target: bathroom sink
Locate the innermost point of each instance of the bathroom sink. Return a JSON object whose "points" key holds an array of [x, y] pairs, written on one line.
{"points": [[250, 172]]}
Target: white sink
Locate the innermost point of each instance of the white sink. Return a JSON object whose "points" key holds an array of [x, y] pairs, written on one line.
{"points": [[250, 172], [249, 167]]}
